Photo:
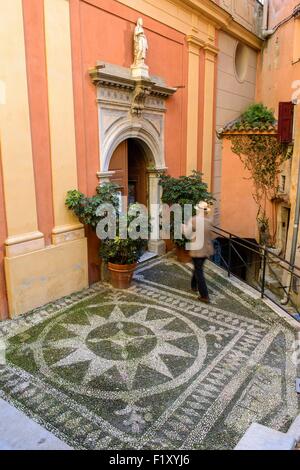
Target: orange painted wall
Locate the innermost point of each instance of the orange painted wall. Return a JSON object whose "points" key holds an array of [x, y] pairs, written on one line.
{"points": [[3, 236], [279, 10], [275, 76], [103, 31], [238, 209], [201, 107], [106, 34], [276, 72], [33, 12]]}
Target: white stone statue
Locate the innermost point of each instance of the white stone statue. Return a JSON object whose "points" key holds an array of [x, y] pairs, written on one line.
{"points": [[139, 68], [140, 43]]}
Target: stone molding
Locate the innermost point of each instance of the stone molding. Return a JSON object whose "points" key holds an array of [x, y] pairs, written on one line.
{"points": [[67, 233], [104, 176], [25, 243], [116, 77], [195, 44], [129, 108]]}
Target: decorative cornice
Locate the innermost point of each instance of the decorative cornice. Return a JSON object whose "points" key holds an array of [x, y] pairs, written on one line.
{"points": [[222, 19], [114, 77], [211, 48], [241, 33], [155, 172], [195, 44], [106, 79], [101, 77], [205, 10], [195, 40]]}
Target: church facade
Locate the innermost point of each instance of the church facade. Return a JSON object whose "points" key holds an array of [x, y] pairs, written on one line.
{"points": [[106, 90]]}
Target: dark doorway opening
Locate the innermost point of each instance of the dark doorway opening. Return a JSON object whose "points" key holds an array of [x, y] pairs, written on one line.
{"points": [[129, 162]]}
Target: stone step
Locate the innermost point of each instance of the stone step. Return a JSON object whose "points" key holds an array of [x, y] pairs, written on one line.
{"points": [[260, 437], [19, 432], [294, 430]]}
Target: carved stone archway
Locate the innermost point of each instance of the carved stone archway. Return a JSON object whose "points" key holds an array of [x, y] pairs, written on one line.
{"points": [[141, 129], [131, 108]]}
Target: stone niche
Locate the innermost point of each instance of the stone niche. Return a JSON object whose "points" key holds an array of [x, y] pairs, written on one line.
{"points": [[129, 108]]}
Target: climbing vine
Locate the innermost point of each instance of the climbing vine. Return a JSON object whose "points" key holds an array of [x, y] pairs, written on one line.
{"points": [[262, 155]]}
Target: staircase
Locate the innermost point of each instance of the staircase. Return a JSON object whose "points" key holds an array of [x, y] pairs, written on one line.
{"points": [[276, 283]]}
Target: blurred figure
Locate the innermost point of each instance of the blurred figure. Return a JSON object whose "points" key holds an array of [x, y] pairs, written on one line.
{"points": [[199, 231]]}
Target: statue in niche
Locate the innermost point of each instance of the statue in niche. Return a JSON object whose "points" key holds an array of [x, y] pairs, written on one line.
{"points": [[140, 44]]}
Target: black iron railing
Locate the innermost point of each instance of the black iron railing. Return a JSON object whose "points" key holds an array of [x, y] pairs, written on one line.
{"points": [[261, 268]]}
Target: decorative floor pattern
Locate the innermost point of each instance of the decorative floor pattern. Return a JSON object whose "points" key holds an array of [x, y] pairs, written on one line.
{"points": [[151, 367]]}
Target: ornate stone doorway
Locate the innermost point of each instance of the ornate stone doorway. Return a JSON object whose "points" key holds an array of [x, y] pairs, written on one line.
{"points": [[131, 114], [132, 168]]}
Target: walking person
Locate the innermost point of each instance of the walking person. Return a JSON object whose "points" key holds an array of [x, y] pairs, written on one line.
{"points": [[199, 231]]}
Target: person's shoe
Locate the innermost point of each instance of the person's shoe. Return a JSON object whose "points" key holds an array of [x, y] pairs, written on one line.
{"points": [[194, 289], [204, 300]]}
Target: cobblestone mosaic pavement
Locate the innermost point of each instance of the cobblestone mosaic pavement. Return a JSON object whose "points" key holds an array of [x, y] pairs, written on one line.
{"points": [[151, 367]]}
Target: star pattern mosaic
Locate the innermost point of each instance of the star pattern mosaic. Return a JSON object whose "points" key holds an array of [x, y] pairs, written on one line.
{"points": [[151, 367]]}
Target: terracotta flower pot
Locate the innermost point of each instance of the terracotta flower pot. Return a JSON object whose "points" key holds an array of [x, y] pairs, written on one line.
{"points": [[121, 275], [169, 245], [183, 256]]}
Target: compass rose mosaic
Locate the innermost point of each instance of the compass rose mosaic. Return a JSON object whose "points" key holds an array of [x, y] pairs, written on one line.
{"points": [[124, 346], [151, 367]]}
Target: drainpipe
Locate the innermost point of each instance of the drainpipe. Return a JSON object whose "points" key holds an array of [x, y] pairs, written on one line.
{"points": [[286, 297], [266, 33], [296, 223], [295, 236]]}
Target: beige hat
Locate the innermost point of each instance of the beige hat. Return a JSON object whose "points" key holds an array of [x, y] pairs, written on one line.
{"points": [[202, 205]]}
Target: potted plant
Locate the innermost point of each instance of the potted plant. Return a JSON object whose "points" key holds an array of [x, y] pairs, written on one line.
{"points": [[123, 253], [122, 250], [85, 208], [184, 190]]}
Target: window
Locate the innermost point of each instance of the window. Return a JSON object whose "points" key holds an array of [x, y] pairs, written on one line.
{"points": [[283, 182], [241, 61], [286, 122]]}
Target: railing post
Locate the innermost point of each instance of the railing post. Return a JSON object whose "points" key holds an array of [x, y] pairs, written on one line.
{"points": [[229, 256], [264, 273]]}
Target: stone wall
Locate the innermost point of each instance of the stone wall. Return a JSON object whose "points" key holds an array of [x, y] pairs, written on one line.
{"points": [[233, 97]]}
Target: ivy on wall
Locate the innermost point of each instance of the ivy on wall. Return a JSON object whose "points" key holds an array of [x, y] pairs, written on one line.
{"points": [[262, 155]]}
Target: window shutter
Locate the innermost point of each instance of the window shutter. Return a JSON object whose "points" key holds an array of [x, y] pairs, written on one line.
{"points": [[285, 122]]}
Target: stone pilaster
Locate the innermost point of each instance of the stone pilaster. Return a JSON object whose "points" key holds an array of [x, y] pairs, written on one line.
{"points": [[61, 118], [156, 245], [194, 46], [208, 113]]}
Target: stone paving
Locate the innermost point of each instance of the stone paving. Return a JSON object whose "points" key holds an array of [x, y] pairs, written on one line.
{"points": [[151, 367]]}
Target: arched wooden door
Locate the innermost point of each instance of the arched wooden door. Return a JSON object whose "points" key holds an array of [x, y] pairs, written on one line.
{"points": [[129, 164]]}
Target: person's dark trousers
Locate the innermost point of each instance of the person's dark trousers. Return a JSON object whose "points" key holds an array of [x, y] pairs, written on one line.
{"points": [[198, 279]]}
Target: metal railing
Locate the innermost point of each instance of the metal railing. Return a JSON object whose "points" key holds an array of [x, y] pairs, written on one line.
{"points": [[259, 267]]}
